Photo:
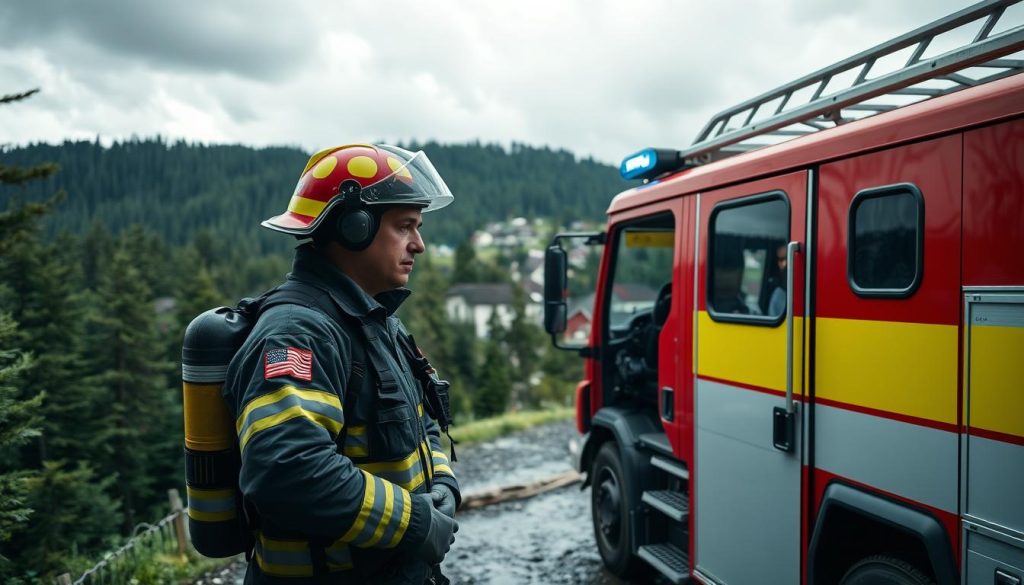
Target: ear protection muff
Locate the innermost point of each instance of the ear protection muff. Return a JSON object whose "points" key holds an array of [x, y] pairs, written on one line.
{"points": [[355, 227]]}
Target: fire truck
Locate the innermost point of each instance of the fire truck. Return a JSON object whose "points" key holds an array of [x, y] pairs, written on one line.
{"points": [[805, 354]]}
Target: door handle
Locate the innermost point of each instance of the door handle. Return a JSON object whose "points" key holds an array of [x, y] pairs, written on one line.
{"points": [[791, 250], [783, 419]]}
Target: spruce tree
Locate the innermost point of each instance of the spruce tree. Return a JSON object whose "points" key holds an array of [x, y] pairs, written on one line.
{"points": [[524, 340], [495, 374], [139, 421], [19, 424]]}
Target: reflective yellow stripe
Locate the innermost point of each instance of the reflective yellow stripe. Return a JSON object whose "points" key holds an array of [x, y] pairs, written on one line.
{"points": [[357, 430], [283, 570], [286, 415], [283, 545], [356, 451], [404, 523], [389, 502], [211, 516], [419, 409], [198, 494], [284, 391], [997, 371], [439, 455], [442, 468], [310, 207], [364, 510], [903, 368], [386, 466]]}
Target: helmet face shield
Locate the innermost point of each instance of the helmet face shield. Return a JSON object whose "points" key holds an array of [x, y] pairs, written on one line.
{"points": [[385, 175], [414, 182]]}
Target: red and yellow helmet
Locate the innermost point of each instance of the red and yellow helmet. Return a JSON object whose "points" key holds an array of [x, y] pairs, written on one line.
{"points": [[385, 175]]}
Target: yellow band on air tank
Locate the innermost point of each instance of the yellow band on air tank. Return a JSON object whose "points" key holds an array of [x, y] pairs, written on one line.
{"points": [[208, 425]]}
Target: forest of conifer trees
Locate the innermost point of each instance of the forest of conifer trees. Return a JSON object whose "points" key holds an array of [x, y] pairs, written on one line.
{"points": [[106, 253]]}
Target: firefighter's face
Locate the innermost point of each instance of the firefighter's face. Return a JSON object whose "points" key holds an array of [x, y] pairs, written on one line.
{"points": [[387, 263]]}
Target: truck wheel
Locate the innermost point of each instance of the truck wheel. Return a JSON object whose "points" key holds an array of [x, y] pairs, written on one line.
{"points": [[883, 570], [609, 498]]}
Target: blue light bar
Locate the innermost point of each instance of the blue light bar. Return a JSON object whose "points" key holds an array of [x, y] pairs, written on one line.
{"points": [[650, 163], [635, 165]]}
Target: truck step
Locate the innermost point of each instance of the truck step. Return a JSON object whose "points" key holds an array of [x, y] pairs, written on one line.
{"points": [[668, 560], [671, 467], [671, 503], [657, 442]]}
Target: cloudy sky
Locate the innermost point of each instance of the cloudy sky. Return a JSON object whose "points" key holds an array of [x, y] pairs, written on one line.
{"points": [[599, 77]]}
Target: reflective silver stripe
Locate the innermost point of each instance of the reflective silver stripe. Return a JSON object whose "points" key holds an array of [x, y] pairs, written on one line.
{"points": [[211, 505], [396, 517], [204, 374], [915, 462], [356, 446], [282, 557], [381, 494]]}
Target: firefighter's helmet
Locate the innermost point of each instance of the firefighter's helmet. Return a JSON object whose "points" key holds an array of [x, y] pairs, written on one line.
{"points": [[359, 177]]}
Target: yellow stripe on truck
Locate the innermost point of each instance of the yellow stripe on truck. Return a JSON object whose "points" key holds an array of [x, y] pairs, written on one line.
{"points": [[996, 378], [903, 368], [749, 354]]}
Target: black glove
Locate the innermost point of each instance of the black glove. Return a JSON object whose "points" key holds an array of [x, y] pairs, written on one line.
{"points": [[443, 499], [440, 535]]}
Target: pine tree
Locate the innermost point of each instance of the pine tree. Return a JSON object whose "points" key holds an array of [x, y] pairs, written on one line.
{"points": [[495, 375], [73, 512], [465, 366], [465, 269], [20, 419], [19, 424], [125, 359], [523, 339]]}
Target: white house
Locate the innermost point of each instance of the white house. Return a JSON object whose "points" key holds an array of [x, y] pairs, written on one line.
{"points": [[474, 303]]}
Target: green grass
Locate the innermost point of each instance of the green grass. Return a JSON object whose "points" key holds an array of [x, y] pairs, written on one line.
{"points": [[491, 428]]}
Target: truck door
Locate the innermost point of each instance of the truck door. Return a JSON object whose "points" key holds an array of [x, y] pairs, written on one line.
{"points": [[747, 474]]}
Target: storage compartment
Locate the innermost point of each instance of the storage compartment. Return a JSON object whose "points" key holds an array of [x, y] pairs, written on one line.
{"points": [[991, 561]]}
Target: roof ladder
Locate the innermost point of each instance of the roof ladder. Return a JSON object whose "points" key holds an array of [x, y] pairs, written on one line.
{"points": [[823, 111]]}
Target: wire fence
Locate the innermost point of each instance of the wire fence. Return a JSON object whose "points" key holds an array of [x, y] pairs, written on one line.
{"points": [[168, 535]]}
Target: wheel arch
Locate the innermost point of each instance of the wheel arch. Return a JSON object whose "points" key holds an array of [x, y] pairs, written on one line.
{"points": [[867, 523], [624, 427]]}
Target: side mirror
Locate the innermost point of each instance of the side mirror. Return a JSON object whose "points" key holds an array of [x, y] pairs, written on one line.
{"points": [[555, 264]]}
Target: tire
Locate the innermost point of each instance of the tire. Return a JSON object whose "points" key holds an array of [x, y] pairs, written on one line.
{"points": [[883, 570], [609, 507]]}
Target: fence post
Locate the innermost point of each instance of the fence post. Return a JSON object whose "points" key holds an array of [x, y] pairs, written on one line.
{"points": [[64, 579], [179, 520]]}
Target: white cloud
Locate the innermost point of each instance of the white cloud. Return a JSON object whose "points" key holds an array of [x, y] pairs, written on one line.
{"points": [[600, 78]]}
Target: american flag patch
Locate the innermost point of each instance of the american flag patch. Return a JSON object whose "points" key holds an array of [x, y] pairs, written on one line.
{"points": [[291, 361]]}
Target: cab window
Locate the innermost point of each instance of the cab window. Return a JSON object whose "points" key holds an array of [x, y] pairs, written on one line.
{"points": [[747, 259]]}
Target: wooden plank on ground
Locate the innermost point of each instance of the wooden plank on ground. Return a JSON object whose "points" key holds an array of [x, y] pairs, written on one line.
{"points": [[518, 491]]}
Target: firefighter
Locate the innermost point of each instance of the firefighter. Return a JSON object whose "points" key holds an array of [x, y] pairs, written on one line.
{"points": [[343, 476]]}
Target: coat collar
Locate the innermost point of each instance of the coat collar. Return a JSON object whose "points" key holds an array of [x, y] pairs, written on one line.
{"points": [[312, 266]]}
